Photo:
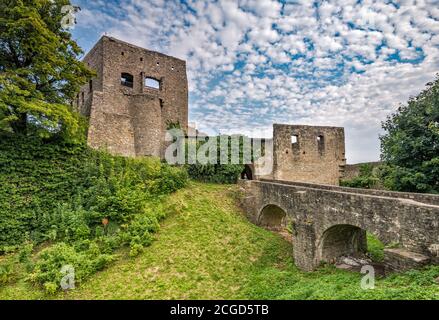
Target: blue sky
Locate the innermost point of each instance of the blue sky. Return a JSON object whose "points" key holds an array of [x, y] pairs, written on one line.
{"points": [[252, 63]]}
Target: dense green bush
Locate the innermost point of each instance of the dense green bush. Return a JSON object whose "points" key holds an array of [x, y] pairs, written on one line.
{"points": [[411, 179], [367, 179], [7, 271], [58, 193], [215, 173], [51, 191], [47, 270], [221, 173]]}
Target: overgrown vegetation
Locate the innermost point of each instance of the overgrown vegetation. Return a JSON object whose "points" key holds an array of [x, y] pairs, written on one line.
{"points": [[63, 204], [208, 250], [410, 146], [368, 178], [215, 173], [221, 169], [86, 202]]}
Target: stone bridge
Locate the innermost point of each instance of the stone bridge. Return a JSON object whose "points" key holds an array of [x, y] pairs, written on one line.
{"points": [[328, 222]]}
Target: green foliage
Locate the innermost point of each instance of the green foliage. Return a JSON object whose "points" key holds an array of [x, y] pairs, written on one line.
{"points": [[217, 172], [411, 144], [170, 180], [138, 234], [410, 180], [53, 192], [375, 248], [173, 125], [7, 271], [39, 69], [47, 271], [367, 179]]}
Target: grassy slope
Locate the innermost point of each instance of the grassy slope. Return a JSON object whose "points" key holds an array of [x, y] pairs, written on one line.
{"points": [[208, 250]]}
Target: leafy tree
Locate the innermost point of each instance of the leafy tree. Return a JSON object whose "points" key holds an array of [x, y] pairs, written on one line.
{"points": [[411, 144], [39, 68]]}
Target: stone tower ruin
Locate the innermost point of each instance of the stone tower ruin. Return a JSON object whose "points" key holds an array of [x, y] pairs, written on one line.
{"points": [[308, 153], [136, 96]]}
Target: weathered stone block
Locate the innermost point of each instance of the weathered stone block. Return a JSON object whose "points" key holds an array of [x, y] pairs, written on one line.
{"points": [[401, 260]]}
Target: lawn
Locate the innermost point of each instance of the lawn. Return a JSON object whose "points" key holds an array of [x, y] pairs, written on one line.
{"points": [[206, 249]]}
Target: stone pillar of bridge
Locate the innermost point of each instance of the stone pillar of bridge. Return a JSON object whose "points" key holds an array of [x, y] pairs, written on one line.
{"points": [[304, 245], [249, 200]]}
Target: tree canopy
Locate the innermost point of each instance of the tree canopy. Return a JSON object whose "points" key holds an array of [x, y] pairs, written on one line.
{"points": [[40, 73], [410, 145]]}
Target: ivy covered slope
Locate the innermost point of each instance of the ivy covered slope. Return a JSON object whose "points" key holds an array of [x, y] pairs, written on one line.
{"points": [[83, 203]]}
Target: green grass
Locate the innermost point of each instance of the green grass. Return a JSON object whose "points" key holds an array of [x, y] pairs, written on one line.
{"points": [[375, 248], [208, 250]]}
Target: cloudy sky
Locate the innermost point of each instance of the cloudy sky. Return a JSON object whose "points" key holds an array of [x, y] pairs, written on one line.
{"points": [[252, 63]]}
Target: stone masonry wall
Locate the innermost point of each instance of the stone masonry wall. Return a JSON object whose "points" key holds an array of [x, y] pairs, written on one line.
{"points": [[132, 120], [318, 156]]}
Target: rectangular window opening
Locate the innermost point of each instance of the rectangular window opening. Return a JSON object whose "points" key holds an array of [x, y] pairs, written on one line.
{"points": [[127, 80], [294, 139], [152, 83], [321, 144]]}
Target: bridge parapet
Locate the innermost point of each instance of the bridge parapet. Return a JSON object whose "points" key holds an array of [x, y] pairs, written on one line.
{"points": [[418, 197]]}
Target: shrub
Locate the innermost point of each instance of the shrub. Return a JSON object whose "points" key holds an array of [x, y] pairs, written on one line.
{"points": [[405, 179], [63, 194], [217, 172], [47, 271], [367, 179], [7, 272], [53, 191]]}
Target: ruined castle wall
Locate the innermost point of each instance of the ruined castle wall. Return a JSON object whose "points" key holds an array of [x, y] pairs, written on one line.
{"points": [[147, 125], [140, 63], [317, 156], [128, 117], [94, 60], [110, 131]]}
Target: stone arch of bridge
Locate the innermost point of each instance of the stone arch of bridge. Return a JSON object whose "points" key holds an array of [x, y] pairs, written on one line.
{"points": [[273, 217], [341, 240], [344, 240]]}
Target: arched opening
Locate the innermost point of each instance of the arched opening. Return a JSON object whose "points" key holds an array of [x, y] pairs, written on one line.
{"points": [[343, 241], [273, 218], [247, 173], [350, 248]]}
